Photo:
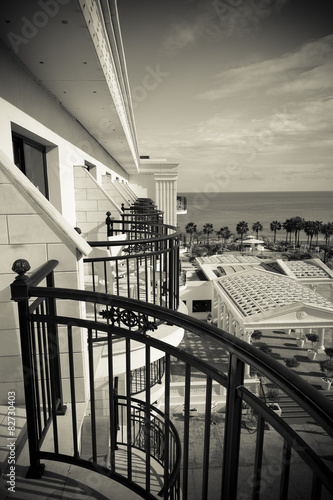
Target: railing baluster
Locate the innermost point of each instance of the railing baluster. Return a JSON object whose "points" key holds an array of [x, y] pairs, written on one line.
{"points": [[186, 428], [147, 282], [117, 277], [207, 438], [46, 364], [232, 429], [92, 397], [105, 278], [41, 369], [147, 418], [128, 409], [36, 377], [138, 278], [55, 358], [166, 426], [258, 458], [72, 388], [113, 406], [284, 484], [171, 271]]}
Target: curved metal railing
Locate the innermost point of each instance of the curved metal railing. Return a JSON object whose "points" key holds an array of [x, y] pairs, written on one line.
{"points": [[144, 268], [134, 322]]}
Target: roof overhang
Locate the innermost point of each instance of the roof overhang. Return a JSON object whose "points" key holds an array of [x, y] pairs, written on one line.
{"points": [[74, 51]]}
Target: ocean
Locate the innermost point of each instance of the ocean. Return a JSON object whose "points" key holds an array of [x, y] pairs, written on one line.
{"points": [[227, 209]]}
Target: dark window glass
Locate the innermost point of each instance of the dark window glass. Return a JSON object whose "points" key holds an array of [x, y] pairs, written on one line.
{"points": [[201, 306], [30, 158]]}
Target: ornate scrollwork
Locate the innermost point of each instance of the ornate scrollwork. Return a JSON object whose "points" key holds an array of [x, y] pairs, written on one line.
{"points": [[128, 318], [138, 248]]}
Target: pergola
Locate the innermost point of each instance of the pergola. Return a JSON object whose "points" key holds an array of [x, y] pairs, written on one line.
{"points": [[311, 272], [258, 299]]}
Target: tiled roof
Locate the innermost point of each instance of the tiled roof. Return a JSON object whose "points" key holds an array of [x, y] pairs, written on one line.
{"points": [[303, 269], [229, 259], [258, 292]]}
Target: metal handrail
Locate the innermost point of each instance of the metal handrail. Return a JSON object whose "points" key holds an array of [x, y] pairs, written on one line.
{"points": [[110, 243], [120, 314], [319, 407]]}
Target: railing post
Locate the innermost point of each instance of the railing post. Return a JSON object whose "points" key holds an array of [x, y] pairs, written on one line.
{"points": [[171, 275], [55, 357], [20, 294], [109, 224], [232, 429]]}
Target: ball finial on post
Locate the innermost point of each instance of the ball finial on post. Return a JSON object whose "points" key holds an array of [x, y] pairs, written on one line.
{"points": [[21, 266]]}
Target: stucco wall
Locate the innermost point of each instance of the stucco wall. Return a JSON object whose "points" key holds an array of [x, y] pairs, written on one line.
{"points": [[30, 228]]}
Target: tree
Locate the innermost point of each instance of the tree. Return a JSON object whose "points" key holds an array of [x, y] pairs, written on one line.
{"points": [[318, 226], [327, 231], [225, 233], [257, 226], [309, 229], [275, 226], [294, 225], [190, 229], [242, 228], [288, 227], [208, 229]]}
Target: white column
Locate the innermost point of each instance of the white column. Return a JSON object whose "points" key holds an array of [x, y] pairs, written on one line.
{"points": [[321, 334], [237, 330], [247, 338], [225, 315], [231, 324], [219, 303]]}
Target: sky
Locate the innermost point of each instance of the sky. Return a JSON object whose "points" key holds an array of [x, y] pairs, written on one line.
{"points": [[238, 92]]}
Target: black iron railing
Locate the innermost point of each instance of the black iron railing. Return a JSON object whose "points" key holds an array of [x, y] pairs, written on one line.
{"points": [[133, 323], [144, 269], [139, 377], [150, 436]]}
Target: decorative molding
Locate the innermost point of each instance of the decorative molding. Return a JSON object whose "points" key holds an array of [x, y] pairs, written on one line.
{"points": [[93, 16]]}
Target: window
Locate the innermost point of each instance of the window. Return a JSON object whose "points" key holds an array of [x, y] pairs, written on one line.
{"points": [[201, 306], [30, 158]]}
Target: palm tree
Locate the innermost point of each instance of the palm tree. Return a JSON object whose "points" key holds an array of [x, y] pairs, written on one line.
{"points": [[287, 226], [298, 225], [207, 229], [327, 231], [191, 228], [225, 233], [309, 229], [257, 226], [242, 228], [318, 226], [275, 226], [219, 234]]}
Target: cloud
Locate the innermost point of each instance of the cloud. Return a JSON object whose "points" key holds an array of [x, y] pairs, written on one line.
{"points": [[307, 68], [217, 20]]}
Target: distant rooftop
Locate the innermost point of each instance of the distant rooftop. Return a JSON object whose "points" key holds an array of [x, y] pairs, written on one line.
{"points": [[229, 259], [257, 291]]}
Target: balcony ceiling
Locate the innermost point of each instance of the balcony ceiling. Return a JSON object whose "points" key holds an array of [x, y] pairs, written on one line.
{"points": [[58, 50]]}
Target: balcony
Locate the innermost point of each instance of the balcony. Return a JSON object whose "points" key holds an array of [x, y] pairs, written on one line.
{"points": [[230, 444], [139, 259]]}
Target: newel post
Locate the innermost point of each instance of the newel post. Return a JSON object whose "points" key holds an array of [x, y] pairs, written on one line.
{"points": [[20, 294], [109, 224]]}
